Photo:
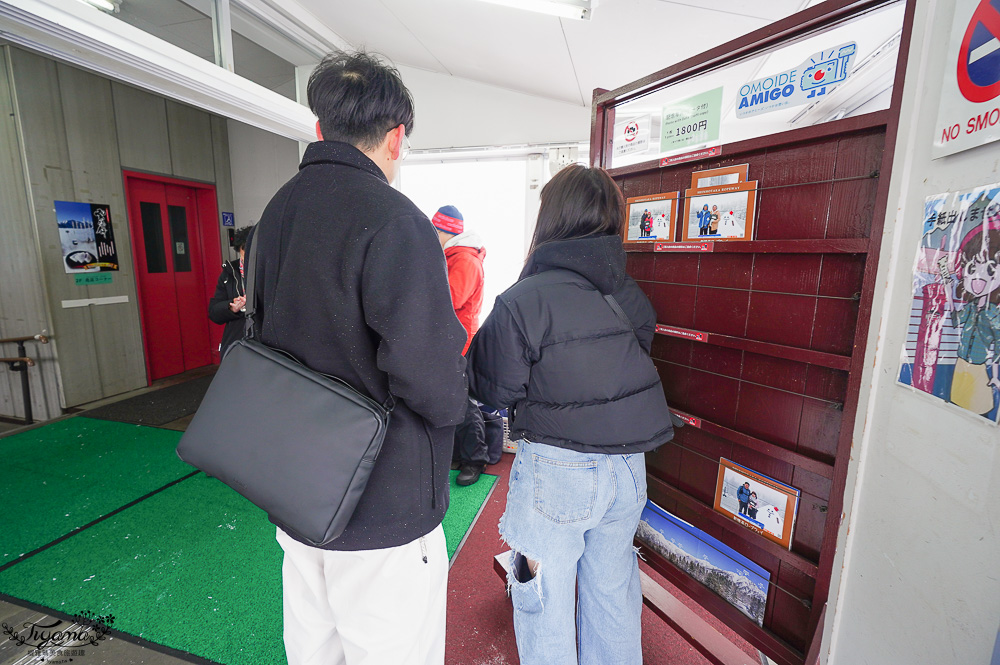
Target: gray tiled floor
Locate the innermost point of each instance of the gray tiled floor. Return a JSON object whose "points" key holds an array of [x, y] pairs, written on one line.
{"points": [[8, 427], [109, 651]]}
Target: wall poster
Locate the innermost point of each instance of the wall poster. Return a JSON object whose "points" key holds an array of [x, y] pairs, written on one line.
{"points": [[952, 348], [756, 501], [86, 236], [740, 581]]}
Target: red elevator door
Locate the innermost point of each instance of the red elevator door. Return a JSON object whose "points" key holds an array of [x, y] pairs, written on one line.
{"points": [[169, 268]]}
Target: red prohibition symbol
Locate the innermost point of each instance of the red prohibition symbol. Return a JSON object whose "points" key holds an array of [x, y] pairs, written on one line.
{"points": [[979, 55]]}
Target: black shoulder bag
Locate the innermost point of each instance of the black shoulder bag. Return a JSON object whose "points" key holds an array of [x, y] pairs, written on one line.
{"points": [[296, 443]]}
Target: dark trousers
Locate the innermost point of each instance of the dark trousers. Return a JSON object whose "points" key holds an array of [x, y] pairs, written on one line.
{"points": [[470, 438], [743, 506]]}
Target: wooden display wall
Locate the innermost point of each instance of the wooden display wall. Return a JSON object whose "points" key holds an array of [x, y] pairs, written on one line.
{"points": [[774, 385]]}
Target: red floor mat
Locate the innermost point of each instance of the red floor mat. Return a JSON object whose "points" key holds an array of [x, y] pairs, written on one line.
{"points": [[480, 621]]}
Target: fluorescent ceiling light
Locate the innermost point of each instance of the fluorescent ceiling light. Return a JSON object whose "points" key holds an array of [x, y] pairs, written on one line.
{"points": [[106, 5], [577, 9]]}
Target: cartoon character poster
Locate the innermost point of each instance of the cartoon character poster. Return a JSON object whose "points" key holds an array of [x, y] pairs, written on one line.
{"points": [[86, 236], [952, 346]]}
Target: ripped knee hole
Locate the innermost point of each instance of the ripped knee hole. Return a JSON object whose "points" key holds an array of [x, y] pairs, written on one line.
{"points": [[525, 569]]}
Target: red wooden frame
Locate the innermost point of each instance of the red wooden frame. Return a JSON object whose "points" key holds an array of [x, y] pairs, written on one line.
{"points": [[811, 588], [208, 233]]}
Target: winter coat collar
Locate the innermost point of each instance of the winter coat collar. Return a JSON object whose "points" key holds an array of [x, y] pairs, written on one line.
{"points": [[335, 152], [467, 239], [600, 259]]}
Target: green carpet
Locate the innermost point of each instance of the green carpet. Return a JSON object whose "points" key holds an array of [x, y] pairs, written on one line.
{"points": [[62, 476], [195, 567], [463, 508]]}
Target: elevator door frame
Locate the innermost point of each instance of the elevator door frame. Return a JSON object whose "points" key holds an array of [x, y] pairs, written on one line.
{"points": [[207, 224]]}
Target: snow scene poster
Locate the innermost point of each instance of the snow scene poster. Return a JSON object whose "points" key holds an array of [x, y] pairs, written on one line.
{"points": [[740, 581], [758, 502], [952, 348], [86, 236]]}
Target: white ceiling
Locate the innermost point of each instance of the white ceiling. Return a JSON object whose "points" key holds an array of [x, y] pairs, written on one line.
{"points": [[557, 59]]}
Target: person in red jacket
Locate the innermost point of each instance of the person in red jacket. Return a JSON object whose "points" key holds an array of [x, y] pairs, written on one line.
{"points": [[464, 253]]}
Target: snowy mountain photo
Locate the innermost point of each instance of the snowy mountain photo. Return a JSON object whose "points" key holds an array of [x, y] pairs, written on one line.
{"points": [[738, 580]]}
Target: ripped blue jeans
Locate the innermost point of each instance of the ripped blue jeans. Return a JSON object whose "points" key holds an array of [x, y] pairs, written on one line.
{"points": [[574, 515]]}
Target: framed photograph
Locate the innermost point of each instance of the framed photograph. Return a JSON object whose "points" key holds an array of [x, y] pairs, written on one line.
{"points": [[725, 212], [652, 217], [727, 175], [740, 581], [760, 503]]}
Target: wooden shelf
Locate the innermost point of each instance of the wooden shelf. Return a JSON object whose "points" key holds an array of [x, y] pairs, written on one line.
{"points": [[818, 246], [797, 561], [798, 354], [779, 651], [758, 445]]}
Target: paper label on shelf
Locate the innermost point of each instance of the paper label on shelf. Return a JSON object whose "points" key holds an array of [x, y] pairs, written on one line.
{"points": [[683, 333]]}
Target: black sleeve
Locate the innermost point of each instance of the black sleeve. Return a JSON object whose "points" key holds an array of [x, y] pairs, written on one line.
{"points": [[218, 306], [640, 312], [499, 360], [407, 302]]}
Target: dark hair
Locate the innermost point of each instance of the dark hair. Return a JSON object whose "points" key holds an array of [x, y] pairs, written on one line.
{"points": [[576, 203], [358, 99], [973, 250], [240, 237]]}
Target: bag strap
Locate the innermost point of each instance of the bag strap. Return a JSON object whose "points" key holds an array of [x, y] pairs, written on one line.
{"points": [[619, 311], [250, 288]]}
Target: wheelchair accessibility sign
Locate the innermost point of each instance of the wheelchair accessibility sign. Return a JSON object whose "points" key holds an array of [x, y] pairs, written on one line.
{"points": [[969, 109], [805, 84]]}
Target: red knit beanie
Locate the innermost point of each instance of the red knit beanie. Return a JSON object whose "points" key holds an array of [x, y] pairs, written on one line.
{"points": [[449, 220]]}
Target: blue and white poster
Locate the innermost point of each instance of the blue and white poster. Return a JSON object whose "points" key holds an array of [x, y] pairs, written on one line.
{"points": [[86, 236], [740, 581], [820, 73], [952, 348]]}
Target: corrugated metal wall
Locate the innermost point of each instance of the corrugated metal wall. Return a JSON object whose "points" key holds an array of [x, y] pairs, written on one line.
{"points": [[22, 296], [76, 132]]}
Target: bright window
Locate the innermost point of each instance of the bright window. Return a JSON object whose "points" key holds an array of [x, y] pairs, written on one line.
{"points": [[491, 197]]}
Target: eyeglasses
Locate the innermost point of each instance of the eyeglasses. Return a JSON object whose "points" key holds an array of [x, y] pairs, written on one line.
{"points": [[405, 149]]}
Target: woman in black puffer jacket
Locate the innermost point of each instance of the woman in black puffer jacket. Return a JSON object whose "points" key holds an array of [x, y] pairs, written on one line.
{"points": [[228, 305], [566, 349]]}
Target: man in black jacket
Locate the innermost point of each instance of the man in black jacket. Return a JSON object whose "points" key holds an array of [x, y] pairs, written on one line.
{"points": [[228, 306], [352, 282]]}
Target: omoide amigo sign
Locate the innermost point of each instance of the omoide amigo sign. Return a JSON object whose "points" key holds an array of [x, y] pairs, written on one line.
{"points": [[819, 74], [969, 109]]}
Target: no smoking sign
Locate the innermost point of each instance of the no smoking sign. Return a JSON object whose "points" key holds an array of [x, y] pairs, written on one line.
{"points": [[969, 110], [979, 55]]}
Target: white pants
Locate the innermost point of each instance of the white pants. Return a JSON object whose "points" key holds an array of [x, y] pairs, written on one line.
{"points": [[371, 607]]}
